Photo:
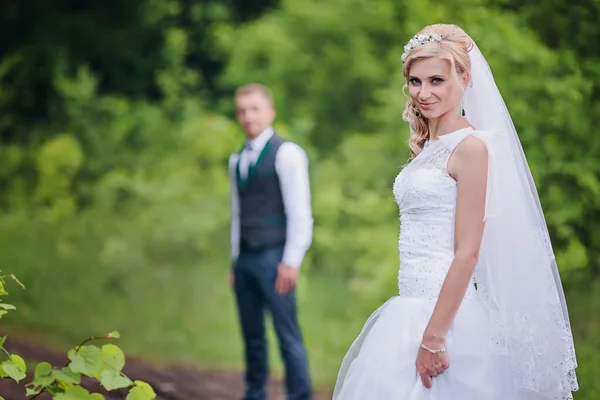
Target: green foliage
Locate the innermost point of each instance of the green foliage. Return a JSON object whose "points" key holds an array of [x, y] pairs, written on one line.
{"points": [[570, 149], [311, 50], [58, 162], [103, 364], [119, 175], [334, 70]]}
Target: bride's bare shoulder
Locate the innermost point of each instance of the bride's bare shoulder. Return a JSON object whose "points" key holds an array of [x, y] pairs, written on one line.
{"points": [[471, 147], [470, 153]]}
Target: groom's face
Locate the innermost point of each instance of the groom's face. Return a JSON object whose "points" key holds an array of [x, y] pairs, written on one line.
{"points": [[433, 87], [255, 112]]}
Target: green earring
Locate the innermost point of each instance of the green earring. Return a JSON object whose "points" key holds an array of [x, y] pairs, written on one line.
{"points": [[463, 112]]}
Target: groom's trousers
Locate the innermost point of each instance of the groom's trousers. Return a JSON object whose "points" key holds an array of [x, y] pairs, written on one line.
{"points": [[255, 275]]}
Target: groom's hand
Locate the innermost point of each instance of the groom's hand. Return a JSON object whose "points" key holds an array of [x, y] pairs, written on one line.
{"points": [[286, 278], [231, 278], [231, 275]]}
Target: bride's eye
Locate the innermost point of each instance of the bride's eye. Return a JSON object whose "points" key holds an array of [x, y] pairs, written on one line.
{"points": [[437, 80], [414, 81]]}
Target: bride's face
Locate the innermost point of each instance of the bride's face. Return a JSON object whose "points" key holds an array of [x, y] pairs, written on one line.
{"points": [[434, 88]]}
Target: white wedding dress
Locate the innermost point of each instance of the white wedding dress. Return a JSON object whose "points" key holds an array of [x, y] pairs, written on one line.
{"points": [[380, 364]]}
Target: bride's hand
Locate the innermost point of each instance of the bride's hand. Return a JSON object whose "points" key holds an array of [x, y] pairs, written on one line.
{"points": [[430, 365]]}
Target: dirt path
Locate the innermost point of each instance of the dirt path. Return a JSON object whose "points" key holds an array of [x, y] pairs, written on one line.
{"points": [[175, 383]]}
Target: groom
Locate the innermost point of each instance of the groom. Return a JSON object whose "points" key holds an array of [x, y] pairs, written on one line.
{"points": [[271, 230]]}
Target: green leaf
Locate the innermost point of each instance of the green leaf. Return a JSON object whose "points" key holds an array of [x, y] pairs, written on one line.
{"points": [[141, 391], [137, 393], [15, 367], [87, 360], [55, 389], [2, 290], [113, 356], [32, 391], [7, 306], [96, 396], [112, 380], [2, 340], [18, 360], [13, 370], [67, 375], [61, 386], [43, 375], [43, 369], [65, 378], [74, 393]]}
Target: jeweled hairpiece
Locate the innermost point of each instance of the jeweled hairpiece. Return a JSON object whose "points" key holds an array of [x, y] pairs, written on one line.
{"points": [[419, 40]]}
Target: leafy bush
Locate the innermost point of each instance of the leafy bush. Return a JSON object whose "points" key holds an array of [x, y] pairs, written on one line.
{"points": [[104, 364]]}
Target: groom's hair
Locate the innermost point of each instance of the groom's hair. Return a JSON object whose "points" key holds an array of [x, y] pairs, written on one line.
{"points": [[255, 88]]}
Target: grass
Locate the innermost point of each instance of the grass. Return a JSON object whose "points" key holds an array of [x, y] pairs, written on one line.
{"points": [[583, 300], [166, 313], [183, 311]]}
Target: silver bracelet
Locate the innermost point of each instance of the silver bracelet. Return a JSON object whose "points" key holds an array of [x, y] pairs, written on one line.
{"points": [[431, 350]]}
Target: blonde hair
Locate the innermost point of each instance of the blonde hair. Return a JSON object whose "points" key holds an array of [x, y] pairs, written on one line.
{"points": [[454, 47], [255, 88]]}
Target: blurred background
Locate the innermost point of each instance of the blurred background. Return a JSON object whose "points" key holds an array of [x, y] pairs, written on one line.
{"points": [[117, 120]]}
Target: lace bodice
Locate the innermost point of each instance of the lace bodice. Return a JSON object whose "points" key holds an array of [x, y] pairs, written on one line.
{"points": [[426, 196]]}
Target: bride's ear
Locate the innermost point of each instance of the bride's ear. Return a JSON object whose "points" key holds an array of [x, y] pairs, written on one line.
{"points": [[465, 80]]}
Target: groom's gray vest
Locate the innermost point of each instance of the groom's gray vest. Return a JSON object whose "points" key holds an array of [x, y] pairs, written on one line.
{"points": [[262, 213]]}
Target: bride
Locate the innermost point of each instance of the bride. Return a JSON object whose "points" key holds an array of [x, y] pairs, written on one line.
{"points": [[481, 313]]}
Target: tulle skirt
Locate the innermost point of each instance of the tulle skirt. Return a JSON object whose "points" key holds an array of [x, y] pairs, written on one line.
{"points": [[380, 364]]}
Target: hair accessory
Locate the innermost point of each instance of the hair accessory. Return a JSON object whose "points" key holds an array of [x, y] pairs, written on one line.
{"points": [[419, 40]]}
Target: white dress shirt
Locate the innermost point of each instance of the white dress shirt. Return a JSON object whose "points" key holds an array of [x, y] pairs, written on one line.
{"points": [[291, 166]]}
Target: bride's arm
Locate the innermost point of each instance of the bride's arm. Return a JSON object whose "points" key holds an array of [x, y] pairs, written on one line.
{"points": [[468, 165]]}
